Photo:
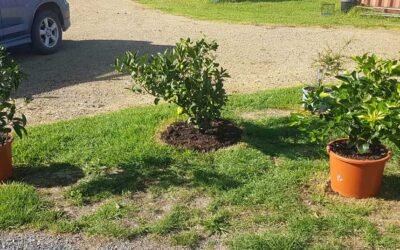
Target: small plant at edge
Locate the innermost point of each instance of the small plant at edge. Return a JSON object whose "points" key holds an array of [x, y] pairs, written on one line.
{"points": [[11, 76]]}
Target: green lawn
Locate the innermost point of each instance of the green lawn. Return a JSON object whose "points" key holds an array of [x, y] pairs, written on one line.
{"points": [[109, 176], [286, 12]]}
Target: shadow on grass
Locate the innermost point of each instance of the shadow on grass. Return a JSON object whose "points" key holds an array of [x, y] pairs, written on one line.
{"points": [[212, 179], [390, 188], [161, 172], [130, 177], [279, 139], [54, 175]]}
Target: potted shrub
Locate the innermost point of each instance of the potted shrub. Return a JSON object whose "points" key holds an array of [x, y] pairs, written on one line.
{"points": [[10, 78], [365, 107], [328, 63], [188, 76]]}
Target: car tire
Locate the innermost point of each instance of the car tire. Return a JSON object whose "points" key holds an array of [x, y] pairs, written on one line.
{"points": [[46, 32]]}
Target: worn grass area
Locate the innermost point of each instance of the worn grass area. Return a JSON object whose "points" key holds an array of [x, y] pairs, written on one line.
{"points": [[109, 176], [283, 12]]}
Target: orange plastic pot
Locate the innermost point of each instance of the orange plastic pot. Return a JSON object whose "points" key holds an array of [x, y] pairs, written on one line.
{"points": [[6, 169], [356, 178]]}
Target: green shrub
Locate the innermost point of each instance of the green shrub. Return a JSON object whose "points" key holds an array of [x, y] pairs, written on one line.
{"points": [[186, 75], [331, 61], [10, 78], [365, 106]]}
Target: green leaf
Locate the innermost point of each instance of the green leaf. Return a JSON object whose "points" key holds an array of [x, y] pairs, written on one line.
{"points": [[179, 110], [363, 148], [324, 95]]}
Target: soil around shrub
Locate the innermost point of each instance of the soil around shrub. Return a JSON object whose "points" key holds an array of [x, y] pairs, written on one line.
{"points": [[342, 148], [222, 133]]}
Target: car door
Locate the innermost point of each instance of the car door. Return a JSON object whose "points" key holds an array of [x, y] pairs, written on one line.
{"points": [[15, 19]]}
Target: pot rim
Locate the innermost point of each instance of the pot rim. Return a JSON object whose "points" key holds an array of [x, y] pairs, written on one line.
{"points": [[354, 161], [9, 141]]}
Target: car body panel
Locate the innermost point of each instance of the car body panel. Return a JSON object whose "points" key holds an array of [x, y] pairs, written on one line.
{"points": [[17, 17]]}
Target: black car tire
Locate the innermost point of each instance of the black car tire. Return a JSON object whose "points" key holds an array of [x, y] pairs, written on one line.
{"points": [[40, 33]]}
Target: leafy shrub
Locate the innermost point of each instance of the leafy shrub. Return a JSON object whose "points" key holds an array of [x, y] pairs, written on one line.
{"points": [[330, 62], [10, 78], [186, 75], [365, 106]]}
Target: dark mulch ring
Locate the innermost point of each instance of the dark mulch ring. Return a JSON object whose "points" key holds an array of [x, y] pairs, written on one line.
{"points": [[222, 133], [342, 148]]}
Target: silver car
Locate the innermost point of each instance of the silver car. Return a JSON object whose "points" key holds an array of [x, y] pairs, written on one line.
{"points": [[37, 22]]}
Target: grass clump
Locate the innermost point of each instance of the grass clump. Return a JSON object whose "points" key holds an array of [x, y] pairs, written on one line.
{"points": [[188, 239], [21, 205], [261, 242], [218, 223], [109, 219], [176, 220]]}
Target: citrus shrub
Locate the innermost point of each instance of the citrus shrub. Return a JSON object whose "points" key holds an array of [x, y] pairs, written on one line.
{"points": [[11, 76], [365, 105], [186, 75]]}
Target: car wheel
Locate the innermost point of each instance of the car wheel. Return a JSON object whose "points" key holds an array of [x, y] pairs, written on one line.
{"points": [[46, 32]]}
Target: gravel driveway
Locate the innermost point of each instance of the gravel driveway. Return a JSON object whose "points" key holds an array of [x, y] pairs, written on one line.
{"points": [[79, 80], [43, 241]]}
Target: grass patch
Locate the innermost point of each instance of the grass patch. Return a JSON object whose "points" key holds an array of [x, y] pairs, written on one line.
{"points": [[188, 239], [260, 242], [176, 220], [264, 191], [21, 205], [109, 220], [290, 13]]}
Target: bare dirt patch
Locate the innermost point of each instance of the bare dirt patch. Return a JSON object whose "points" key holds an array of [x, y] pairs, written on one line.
{"points": [[260, 114]]}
